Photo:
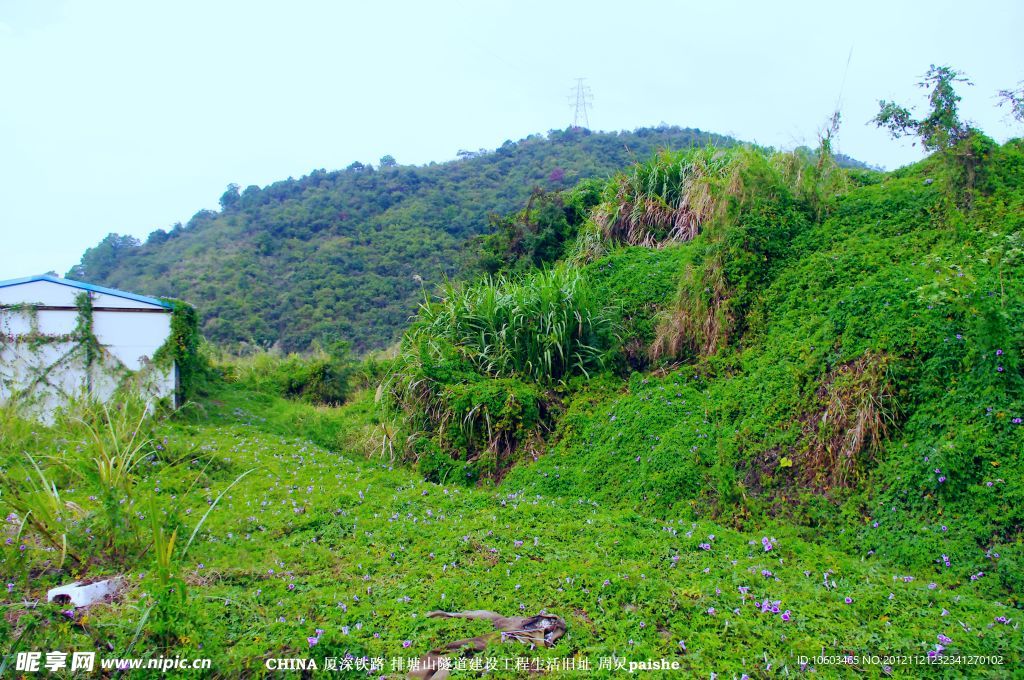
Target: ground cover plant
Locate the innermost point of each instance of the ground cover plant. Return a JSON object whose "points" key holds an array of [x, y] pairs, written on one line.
{"points": [[319, 554]]}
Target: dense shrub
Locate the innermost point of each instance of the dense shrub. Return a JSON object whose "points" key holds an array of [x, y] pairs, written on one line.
{"points": [[477, 371], [319, 378]]}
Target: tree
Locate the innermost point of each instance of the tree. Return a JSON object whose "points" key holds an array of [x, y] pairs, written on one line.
{"points": [[1015, 100], [388, 161], [229, 198], [156, 237], [98, 262], [942, 127]]}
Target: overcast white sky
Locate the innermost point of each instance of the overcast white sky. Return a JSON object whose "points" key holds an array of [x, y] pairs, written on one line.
{"points": [[128, 116]]}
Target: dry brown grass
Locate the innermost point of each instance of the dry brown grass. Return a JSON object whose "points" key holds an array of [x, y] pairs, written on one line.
{"points": [[856, 409], [700, 322], [669, 200]]}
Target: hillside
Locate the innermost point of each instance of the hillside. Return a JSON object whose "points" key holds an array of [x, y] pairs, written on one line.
{"points": [[336, 255], [739, 336], [763, 410]]}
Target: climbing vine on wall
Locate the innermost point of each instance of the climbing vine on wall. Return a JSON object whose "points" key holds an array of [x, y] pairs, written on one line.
{"points": [[28, 366], [182, 347]]}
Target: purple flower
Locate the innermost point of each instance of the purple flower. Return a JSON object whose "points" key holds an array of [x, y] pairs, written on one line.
{"points": [[999, 352], [944, 640], [785, 615], [407, 643], [942, 478], [682, 645], [848, 600], [768, 545], [312, 641]]}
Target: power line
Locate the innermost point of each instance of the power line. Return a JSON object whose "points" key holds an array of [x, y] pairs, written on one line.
{"points": [[580, 99]]}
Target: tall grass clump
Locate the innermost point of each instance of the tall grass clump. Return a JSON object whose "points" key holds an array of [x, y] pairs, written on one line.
{"points": [[40, 509], [476, 373], [92, 449], [545, 327], [665, 200], [855, 411], [118, 440]]}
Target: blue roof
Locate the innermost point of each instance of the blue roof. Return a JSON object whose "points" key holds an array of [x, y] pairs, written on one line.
{"points": [[87, 286]]}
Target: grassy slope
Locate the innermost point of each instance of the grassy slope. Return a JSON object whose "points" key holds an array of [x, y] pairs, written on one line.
{"points": [[314, 539], [895, 272]]}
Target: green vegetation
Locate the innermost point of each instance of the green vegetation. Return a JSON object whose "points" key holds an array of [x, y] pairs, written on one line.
{"points": [[729, 408], [318, 378], [539, 234], [475, 372], [316, 554], [942, 127], [343, 255], [875, 382]]}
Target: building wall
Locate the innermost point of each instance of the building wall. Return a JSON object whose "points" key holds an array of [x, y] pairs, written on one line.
{"points": [[129, 339]]}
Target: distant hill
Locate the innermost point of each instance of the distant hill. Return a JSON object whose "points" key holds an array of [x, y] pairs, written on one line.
{"points": [[339, 255]]}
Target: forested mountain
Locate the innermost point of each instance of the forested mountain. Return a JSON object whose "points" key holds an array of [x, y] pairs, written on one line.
{"points": [[340, 255]]}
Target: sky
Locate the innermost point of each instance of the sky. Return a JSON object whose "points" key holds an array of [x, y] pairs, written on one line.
{"points": [[127, 116]]}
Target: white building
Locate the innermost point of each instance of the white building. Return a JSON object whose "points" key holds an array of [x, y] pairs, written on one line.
{"points": [[61, 338]]}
